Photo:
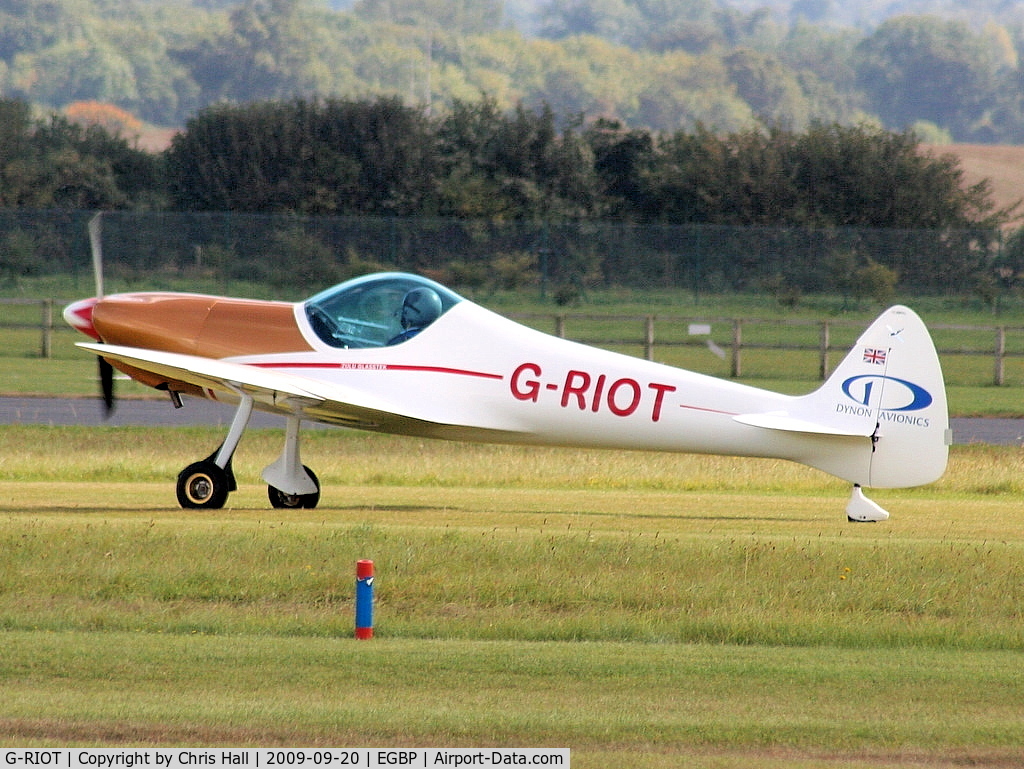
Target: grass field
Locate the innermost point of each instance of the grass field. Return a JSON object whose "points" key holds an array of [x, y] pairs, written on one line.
{"points": [[642, 609]]}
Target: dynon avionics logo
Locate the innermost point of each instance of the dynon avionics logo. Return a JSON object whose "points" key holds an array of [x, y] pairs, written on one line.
{"points": [[890, 398]]}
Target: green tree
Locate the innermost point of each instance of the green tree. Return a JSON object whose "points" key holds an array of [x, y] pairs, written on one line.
{"points": [[622, 157], [76, 71], [659, 25], [677, 91], [738, 179], [54, 163], [271, 49], [826, 176], [28, 26], [610, 19], [516, 166], [305, 156], [78, 50], [15, 129], [868, 177], [924, 68], [466, 17], [771, 89]]}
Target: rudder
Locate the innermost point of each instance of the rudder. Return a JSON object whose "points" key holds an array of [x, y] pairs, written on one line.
{"points": [[890, 386]]}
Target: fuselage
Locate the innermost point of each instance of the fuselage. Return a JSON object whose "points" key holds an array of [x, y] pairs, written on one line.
{"points": [[474, 375]]}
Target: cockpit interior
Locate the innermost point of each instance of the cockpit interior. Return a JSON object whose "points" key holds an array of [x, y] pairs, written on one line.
{"points": [[378, 310]]}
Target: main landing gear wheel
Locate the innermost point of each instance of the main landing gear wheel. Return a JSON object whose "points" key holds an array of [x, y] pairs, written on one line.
{"points": [[294, 501], [203, 485]]}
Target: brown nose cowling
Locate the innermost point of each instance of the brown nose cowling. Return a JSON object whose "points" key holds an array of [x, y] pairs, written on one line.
{"points": [[194, 324], [211, 326]]}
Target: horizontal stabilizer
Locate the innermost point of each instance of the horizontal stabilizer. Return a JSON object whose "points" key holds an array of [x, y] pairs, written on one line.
{"points": [[784, 422]]}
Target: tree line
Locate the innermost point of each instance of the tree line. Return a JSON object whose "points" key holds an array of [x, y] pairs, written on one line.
{"points": [[651, 65], [379, 157], [477, 164]]}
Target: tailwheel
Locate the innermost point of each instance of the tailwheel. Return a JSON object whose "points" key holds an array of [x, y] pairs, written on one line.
{"points": [[280, 499], [203, 485]]}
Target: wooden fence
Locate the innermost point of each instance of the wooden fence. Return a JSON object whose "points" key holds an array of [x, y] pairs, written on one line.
{"points": [[45, 325], [826, 351], [698, 334]]}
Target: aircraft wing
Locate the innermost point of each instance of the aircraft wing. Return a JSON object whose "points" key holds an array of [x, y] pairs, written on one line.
{"points": [[272, 391]]}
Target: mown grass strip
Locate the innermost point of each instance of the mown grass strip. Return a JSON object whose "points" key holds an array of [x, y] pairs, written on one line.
{"points": [[506, 542], [478, 572], [644, 608], [665, 700]]}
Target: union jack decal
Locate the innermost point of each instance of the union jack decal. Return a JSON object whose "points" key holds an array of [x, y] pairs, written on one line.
{"points": [[872, 355]]}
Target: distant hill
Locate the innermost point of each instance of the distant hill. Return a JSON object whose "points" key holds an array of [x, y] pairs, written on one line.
{"points": [[862, 14], [865, 14]]}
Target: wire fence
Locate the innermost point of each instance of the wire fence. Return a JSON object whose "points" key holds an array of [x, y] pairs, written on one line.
{"points": [[300, 254], [292, 257]]}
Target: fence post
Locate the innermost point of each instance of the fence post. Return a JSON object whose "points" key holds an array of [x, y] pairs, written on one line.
{"points": [[560, 325], [649, 337], [47, 342], [825, 341], [1000, 354], [737, 342]]}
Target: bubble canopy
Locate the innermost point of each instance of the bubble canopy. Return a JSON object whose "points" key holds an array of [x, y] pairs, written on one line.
{"points": [[367, 311]]}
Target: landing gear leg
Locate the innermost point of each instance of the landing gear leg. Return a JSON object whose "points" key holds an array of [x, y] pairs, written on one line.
{"points": [[289, 482], [207, 483]]}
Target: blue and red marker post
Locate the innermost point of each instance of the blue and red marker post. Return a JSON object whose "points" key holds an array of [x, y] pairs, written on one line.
{"points": [[364, 599]]}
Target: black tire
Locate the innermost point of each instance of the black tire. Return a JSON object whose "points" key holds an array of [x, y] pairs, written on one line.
{"points": [[203, 485], [295, 501]]}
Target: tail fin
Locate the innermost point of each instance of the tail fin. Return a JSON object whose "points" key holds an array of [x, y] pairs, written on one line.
{"points": [[890, 387], [881, 418]]}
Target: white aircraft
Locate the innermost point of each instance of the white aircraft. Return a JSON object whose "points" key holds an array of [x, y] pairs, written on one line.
{"points": [[398, 353]]}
